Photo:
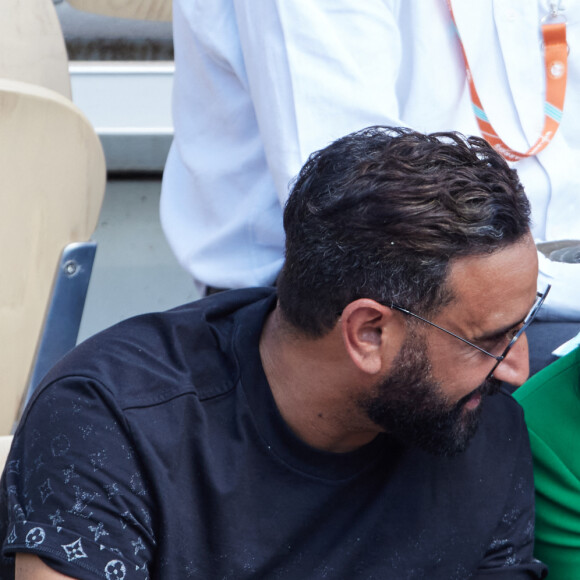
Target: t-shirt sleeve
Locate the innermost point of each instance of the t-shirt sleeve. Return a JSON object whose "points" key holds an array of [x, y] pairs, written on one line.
{"points": [[73, 488], [510, 551]]}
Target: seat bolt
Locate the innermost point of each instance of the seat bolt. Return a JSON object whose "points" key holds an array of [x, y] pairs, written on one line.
{"points": [[71, 268]]}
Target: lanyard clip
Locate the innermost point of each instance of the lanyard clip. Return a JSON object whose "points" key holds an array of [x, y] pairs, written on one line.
{"points": [[556, 13]]}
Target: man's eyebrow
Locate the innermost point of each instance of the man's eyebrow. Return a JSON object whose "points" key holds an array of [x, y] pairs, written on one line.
{"points": [[500, 333], [497, 334]]}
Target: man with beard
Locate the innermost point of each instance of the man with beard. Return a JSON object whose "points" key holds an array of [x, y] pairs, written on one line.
{"points": [[339, 428]]}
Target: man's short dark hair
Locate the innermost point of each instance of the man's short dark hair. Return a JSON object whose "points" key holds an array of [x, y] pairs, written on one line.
{"points": [[382, 212]]}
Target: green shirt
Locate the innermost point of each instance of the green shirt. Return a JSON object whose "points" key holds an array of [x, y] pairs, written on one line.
{"points": [[551, 402]]}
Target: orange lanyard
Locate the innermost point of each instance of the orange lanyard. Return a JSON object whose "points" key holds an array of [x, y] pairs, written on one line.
{"points": [[556, 63]]}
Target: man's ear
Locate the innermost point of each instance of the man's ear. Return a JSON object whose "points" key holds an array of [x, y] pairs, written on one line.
{"points": [[366, 328]]}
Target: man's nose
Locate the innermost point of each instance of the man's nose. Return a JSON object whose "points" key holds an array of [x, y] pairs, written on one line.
{"points": [[515, 367]]}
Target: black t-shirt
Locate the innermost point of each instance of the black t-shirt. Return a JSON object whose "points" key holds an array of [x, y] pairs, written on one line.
{"points": [[155, 450]]}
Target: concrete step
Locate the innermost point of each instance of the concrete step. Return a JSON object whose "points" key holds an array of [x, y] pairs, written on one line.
{"points": [[122, 77]]}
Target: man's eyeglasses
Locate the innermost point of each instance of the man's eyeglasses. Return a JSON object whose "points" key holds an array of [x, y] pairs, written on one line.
{"points": [[498, 358]]}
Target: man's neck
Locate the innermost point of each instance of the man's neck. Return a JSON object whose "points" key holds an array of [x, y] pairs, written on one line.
{"points": [[313, 386]]}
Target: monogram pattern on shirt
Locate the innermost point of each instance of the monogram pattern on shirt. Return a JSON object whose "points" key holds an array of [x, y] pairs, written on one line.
{"points": [[57, 504], [115, 570], [35, 537], [74, 551]]}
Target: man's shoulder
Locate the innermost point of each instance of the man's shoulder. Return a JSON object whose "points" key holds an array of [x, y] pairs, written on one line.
{"points": [[502, 415], [503, 402], [502, 431], [156, 356]]}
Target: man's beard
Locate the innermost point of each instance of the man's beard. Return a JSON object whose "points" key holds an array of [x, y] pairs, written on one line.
{"points": [[410, 404]]}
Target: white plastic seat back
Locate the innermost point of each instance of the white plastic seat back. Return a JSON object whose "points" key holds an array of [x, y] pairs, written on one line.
{"points": [[5, 444], [32, 47], [52, 182], [138, 9]]}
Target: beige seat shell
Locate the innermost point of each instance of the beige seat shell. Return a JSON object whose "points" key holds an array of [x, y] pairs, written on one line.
{"points": [[52, 182], [32, 47], [138, 9]]}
